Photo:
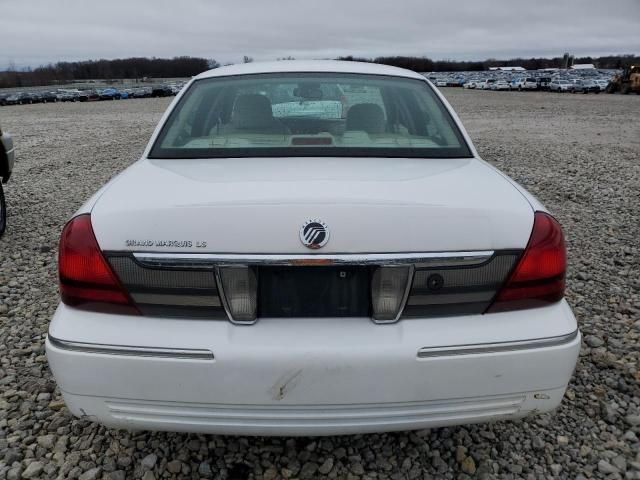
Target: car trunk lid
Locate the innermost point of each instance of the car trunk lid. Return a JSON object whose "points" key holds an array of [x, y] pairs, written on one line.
{"points": [[259, 205]]}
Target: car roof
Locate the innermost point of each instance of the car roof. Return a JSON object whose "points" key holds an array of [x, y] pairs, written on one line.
{"points": [[299, 66]]}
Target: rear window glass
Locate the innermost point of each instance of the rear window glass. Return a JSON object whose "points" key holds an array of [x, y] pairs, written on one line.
{"points": [[309, 114]]}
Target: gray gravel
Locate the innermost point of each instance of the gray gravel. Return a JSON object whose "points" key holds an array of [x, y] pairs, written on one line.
{"points": [[578, 154]]}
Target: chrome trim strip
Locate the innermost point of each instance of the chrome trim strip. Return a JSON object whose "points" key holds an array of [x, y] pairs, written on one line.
{"points": [[182, 353], [481, 348], [198, 260]]}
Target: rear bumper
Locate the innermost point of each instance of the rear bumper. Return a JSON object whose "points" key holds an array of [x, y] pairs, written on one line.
{"points": [[311, 376], [306, 420]]}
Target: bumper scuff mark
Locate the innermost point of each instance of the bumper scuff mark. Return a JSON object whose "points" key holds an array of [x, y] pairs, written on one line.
{"points": [[285, 384]]}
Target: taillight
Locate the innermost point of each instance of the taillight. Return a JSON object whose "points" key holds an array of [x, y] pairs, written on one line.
{"points": [[86, 279], [539, 276]]}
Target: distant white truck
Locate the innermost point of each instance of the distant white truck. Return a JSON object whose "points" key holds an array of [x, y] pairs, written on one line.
{"points": [[485, 85], [524, 83]]}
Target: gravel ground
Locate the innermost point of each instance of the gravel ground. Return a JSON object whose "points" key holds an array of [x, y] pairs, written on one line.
{"points": [[578, 154]]}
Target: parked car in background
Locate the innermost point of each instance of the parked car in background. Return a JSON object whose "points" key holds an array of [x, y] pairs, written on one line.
{"points": [[26, 98], [7, 159], [585, 86], [576, 86], [486, 85], [49, 97], [88, 95], [161, 91], [442, 304], [68, 95], [524, 83], [110, 94], [142, 92], [543, 83], [602, 84], [500, 85], [12, 99], [561, 86]]}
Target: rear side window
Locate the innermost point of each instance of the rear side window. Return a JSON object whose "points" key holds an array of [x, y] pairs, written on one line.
{"points": [[309, 114]]}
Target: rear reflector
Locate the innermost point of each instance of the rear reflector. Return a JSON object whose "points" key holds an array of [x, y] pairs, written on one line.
{"points": [[240, 293], [388, 290], [458, 289], [539, 276], [169, 291], [86, 279]]}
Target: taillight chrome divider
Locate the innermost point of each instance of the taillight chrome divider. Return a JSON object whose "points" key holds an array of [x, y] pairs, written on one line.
{"points": [[223, 264]]}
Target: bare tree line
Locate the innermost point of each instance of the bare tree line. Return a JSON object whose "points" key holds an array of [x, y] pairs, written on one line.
{"points": [[424, 64], [141, 67]]}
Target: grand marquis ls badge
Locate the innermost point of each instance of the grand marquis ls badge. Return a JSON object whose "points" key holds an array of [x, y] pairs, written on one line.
{"points": [[314, 234]]}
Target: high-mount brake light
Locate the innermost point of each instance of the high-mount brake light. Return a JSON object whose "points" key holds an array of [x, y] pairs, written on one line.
{"points": [[86, 279], [539, 276]]}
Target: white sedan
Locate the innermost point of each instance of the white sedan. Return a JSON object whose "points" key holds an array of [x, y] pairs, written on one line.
{"points": [[311, 274], [560, 86], [500, 85]]}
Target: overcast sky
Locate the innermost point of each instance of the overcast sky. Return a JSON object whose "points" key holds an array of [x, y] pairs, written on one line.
{"points": [[34, 32]]}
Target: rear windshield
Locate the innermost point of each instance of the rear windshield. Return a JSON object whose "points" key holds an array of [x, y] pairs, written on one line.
{"points": [[309, 114]]}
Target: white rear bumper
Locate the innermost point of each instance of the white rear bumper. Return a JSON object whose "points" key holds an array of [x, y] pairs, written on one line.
{"points": [[311, 376]]}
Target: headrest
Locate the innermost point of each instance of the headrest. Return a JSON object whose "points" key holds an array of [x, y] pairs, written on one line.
{"points": [[368, 117], [251, 111]]}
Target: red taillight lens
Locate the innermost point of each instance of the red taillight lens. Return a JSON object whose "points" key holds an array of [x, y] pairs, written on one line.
{"points": [[86, 280], [539, 276]]}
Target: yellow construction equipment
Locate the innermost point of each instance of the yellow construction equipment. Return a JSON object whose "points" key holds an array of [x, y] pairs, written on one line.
{"points": [[627, 81]]}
